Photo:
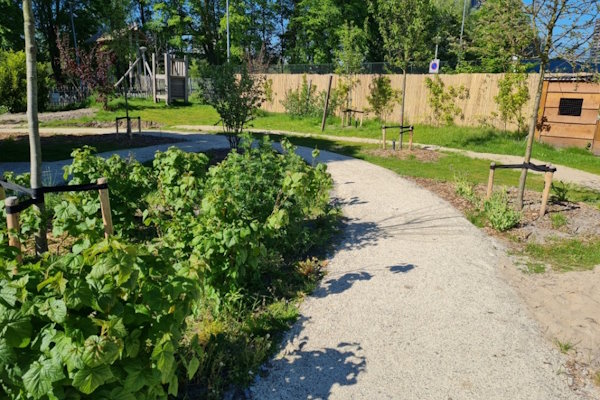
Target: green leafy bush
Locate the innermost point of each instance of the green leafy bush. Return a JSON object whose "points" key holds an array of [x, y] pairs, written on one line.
{"points": [[443, 101], [512, 96], [13, 82], [235, 98], [499, 213], [239, 232], [382, 97], [302, 102], [124, 317], [102, 322], [306, 101]]}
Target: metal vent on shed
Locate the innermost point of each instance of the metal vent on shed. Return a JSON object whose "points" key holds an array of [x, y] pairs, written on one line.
{"points": [[570, 107]]}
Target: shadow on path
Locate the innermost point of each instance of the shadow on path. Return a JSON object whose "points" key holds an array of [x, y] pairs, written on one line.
{"points": [[341, 284], [312, 374], [401, 269]]}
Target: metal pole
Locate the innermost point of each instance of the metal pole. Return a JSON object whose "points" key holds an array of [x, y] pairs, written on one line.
{"points": [[462, 29], [436, 51], [228, 45]]}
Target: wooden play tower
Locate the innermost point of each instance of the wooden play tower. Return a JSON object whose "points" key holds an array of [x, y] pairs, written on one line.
{"points": [[170, 79], [171, 84]]}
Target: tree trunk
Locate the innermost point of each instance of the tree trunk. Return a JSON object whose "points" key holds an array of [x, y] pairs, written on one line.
{"points": [[531, 136], [403, 96], [35, 148]]}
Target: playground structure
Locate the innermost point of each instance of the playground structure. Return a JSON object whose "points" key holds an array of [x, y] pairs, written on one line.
{"points": [[166, 79]]}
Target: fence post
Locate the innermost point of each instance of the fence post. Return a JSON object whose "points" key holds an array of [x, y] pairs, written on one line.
{"points": [[12, 223], [547, 185], [410, 140], [401, 137], [383, 136], [490, 186], [2, 193], [105, 208]]}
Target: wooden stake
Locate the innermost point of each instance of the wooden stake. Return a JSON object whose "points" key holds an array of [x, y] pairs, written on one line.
{"points": [[410, 139], [12, 223], [490, 186], [383, 136], [546, 194], [326, 104], [2, 193], [105, 208]]}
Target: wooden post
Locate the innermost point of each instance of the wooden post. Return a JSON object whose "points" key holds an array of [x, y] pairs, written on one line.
{"points": [[12, 223], [105, 208], [547, 185], [410, 140], [2, 193], [361, 119], [154, 77], [383, 136], [490, 186], [186, 66], [326, 104], [168, 77]]}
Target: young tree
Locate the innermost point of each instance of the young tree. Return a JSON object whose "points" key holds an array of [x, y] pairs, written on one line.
{"points": [[35, 147], [561, 28], [91, 68], [405, 28], [512, 96], [382, 97], [236, 99], [350, 55]]}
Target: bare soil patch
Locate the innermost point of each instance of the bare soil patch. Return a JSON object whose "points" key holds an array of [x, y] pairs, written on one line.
{"points": [[565, 304], [416, 154], [19, 118]]}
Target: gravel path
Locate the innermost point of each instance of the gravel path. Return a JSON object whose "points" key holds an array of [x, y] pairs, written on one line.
{"points": [[413, 307]]}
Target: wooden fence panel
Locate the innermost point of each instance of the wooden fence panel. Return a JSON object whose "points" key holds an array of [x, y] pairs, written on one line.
{"points": [[477, 108]]}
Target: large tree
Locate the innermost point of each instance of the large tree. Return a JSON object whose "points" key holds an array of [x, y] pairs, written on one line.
{"points": [[11, 24], [500, 30], [560, 28]]}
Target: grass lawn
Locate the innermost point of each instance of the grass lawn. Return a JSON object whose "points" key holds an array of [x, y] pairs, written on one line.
{"points": [[567, 255], [446, 168], [476, 139]]}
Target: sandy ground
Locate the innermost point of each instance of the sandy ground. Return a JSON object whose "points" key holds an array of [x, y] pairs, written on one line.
{"points": [[21, 118], [567, 307]]}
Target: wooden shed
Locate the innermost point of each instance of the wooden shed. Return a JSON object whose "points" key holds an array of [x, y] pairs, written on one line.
{"points": [[569, 110]]}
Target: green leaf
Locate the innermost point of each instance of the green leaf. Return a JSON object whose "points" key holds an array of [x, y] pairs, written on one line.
{"points": [[40, 376], [174, 385], [99, 350], [164, 355], [55, 309], [17, 330], [132, 343], [136, 376], [90, 378], [122, 393], [192, 367]]}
